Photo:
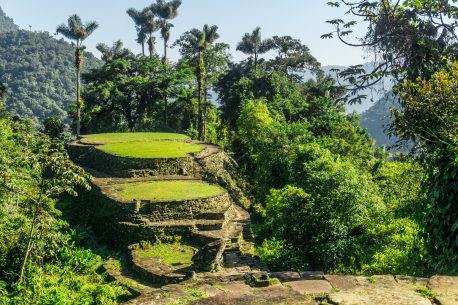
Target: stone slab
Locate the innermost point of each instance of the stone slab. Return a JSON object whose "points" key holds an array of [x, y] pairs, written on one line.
{"points": [[286, 276], [377, 294], [310, 286], [378, 280], [341, 282], [446, 288], [312, 275], [412, 280], [273, 295], [236, 288]]}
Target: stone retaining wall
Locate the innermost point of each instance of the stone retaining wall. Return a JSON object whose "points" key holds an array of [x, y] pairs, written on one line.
{"points": [[221, 169], [182, 210], [127, 233], [117, 222], [90, 156]]}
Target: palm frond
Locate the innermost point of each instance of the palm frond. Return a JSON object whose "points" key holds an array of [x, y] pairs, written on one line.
{"points": [[266, 46], [74, 23], [135, 15], [66, 32], [211, 33], [90, 27]]}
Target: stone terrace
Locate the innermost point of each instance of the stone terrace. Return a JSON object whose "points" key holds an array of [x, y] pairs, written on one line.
{"points": [[214, 224], [222, 269]]}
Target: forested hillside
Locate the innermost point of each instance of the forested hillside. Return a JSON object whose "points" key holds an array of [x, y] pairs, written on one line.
{"points": [[39, 72]]}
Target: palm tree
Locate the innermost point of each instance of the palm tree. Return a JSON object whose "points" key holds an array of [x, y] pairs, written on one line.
{"points": [[137, 17], [252, 44], [194, 45], [146, 26], [141, 38], [165, 34], [115, 52], [77, 31], [150, 26], [165, 11]]}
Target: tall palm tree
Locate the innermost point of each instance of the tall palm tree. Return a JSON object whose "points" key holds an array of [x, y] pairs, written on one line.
{"points": [[252, 44], [115, 52], [138, 19], [165, 11], [194, 45], [77, 31], [146, 25], [150, 26], [141, 38]]}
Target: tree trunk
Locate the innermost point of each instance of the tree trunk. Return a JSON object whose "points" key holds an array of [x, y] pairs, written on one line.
{"points": [[199, 107], [205, 113], [27, 252], [200, 88], [143, 48], [166, 106], [78, 103], [164, 60], [255, 61], [78, 64], [30, 241], [151, 45]]}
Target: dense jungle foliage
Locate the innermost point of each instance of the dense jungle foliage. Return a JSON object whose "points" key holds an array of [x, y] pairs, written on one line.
{"points": [[324, 196], [41, 260]]}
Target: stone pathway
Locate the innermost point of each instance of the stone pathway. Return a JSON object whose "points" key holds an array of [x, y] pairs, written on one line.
{"points": [[354, 290]]}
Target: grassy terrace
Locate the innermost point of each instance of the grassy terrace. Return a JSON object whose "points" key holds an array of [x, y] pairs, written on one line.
{"points": [[176, 255], [109, 138], [151, 150], [165, 190]]}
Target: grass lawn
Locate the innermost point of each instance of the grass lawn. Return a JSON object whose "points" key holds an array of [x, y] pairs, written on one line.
{"points": [[176, 255], [151, 150], [165, 190], [107, 138]]}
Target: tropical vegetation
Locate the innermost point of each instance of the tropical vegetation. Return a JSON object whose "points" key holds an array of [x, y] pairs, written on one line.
{"points": [[324, 196]]}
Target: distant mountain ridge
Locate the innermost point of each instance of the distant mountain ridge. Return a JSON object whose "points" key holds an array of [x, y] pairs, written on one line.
{"points": [[375, 108], [377, 119], [372, 94], [38, 70]]}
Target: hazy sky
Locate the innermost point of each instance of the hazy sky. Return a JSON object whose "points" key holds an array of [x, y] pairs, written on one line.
{"points": [[302, 19]]}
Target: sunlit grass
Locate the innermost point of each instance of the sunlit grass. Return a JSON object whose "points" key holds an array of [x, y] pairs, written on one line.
{"points": [[165, 190], [108, 138], [176, 255], [152, 150]]}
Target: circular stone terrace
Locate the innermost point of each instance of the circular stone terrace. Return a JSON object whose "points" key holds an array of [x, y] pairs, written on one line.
{"points": [[163, 190], [144, 145]]}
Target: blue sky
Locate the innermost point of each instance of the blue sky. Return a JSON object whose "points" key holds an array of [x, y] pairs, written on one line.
{"points": [[302, 19]]}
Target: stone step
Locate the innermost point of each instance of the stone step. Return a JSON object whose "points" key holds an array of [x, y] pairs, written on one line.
{"points": [[214, 215], [232, 250], [210, 225], [204, 225], [232, 246], [220, 215]]}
